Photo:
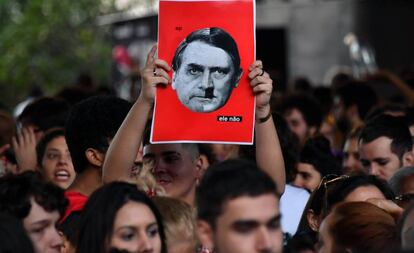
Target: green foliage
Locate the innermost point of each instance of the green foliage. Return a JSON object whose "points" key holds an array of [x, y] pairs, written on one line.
{"points": [[47, 42]]}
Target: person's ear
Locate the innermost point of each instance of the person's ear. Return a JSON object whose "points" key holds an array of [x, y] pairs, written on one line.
{"points": [[95, 157], [408, 159], [173, 80], [237, 77], [205, 234], [204, 162], [313, 220], [199, 169]]}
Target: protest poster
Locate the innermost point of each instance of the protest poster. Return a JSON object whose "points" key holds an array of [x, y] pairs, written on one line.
{"points": [[210, 46]]}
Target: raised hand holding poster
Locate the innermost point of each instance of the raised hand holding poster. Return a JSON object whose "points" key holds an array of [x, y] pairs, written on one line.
{"points": [[210, 45]]}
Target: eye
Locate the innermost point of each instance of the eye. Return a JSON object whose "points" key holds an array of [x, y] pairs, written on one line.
{"points": [[220, 72], [153, 231], [274, 225], [52, 156], [38, 230], [365, 163], [383, 162], [194, 70], [127, 235], [171, 158]]}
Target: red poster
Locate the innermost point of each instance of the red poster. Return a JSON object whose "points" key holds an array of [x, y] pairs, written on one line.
{"points": [[210, 46]]}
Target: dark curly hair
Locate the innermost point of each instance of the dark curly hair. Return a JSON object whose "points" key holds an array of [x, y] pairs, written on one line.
{"points": [[16, 192]]}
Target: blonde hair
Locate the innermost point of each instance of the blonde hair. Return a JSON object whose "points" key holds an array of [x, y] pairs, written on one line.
{"points": [[146, 182], [178, 219]]}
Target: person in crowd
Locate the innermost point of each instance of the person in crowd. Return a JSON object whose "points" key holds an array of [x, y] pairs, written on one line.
{"points": [[207, 156], [315, 162], [350, 162], [293, 200], [396, 110], [39, 116], [241, 212], [402, 184], [13, 236], [118, 215], [352, 102], [224, 152], [406, 226], [303, 114], [44, 113], [38, 205], [89, 129], [178, 167], [69, 231], [179, 224], [385, 146], [53, 157], [335, 189], [358, 227]]}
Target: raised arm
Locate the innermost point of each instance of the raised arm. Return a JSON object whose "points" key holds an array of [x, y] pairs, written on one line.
{"points": [[268, 151], [125, 145]]}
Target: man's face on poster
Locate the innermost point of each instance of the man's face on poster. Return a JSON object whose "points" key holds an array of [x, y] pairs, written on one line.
{"points": [[205, 78]]}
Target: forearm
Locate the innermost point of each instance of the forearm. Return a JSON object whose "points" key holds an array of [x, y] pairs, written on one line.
{"points": [[124, 147], [268, 151]]}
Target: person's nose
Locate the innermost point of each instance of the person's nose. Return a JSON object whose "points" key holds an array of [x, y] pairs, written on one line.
{"points": [[158, 166], [298, 181], [63, 160], [56, 241], [263, 240], [145, 244], [373, 170], [206, 80]]}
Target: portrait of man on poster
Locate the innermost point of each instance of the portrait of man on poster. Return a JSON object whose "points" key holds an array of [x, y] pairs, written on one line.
{"points": [[206, 68]]}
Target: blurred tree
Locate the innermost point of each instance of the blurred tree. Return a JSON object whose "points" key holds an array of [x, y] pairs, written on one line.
{"points": [[47, 42]]}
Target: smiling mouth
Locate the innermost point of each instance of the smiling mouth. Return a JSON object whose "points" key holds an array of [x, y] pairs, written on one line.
{"points": [[162, 179]]}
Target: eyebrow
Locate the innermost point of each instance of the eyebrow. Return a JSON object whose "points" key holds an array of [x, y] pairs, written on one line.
{"points": [[196, 66], [52, 149], [213, 68], [134, 228], [41, 222], [254, 223], [166, 153]]}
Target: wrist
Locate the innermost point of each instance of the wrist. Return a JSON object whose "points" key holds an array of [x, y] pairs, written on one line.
{"points": [[263, 114], [262, 111]]}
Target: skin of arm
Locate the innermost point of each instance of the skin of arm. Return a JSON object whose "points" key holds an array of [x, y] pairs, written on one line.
{"points": [[124, 147], [268, 151]]}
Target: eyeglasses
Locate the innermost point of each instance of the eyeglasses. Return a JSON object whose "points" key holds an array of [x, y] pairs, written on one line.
{"points": [[405, 197]]}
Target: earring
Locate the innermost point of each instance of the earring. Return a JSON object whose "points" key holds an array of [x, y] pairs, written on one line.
{"points": [[204, 249]]}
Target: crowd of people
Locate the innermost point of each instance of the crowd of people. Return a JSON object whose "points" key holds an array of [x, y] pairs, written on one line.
{"points": [[331, 170]]}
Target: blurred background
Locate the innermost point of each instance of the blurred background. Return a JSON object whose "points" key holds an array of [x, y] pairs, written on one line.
{"points": [[54, 47]]}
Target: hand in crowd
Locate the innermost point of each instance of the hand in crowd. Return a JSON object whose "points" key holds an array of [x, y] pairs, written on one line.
{"points": [[154, 73], [24, 146], [262, 88]]}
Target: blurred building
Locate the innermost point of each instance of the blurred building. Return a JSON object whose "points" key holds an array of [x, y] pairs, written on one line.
{"points": [[300, 37]]}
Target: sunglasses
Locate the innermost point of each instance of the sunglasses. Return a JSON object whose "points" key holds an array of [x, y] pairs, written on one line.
{"points": [[326, 181]]}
